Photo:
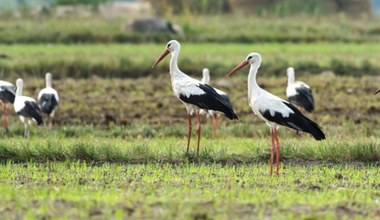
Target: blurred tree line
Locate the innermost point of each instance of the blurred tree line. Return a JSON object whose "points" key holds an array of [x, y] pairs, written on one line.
{"points": [[260, 7]]}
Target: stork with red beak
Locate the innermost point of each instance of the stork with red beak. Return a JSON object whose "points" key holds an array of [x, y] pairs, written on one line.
{"points": [[193, 93], [274, 110]]}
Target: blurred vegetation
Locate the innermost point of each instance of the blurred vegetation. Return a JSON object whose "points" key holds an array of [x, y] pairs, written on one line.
{"points": [[80, 2], [234, 29], [135, 60], [170, 7]]}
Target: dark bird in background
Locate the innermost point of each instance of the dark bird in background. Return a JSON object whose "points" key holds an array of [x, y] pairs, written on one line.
{"points": [[155, 24]]}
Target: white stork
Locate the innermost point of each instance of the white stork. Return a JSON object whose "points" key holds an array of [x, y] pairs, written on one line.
{"points": [[48, 99], [193, 93], [212, 113], [274, 110], [299, 93], [27, 108], [7, 95]]}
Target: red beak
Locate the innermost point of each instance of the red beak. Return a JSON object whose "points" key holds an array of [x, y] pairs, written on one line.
{"points": [[162, 56], [377, 91], [238, 67]]}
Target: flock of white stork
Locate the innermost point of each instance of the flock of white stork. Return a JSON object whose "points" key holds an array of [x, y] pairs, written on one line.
{"points": [[199, 98], [28, 109]]}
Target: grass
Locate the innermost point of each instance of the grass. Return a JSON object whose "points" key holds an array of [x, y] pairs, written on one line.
{"points": [[225, 150], [187, 191], [197, 28], [135, 60]]}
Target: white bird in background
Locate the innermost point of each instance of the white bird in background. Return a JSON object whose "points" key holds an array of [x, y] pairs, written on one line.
{"points": [[7, 95], [212, 113], [299, 93], [193, 93], [27, 108], [274, 110], [48, 99]]}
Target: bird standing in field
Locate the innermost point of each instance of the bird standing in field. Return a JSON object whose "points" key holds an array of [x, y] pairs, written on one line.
{"points": [[193, 93], [48, 99], [27, 108], [299, 93], [7, 95], [214, 114], [274, 110]]}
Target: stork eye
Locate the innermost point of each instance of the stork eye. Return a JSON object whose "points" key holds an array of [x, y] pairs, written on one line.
{"points": [[168, 46], [250, 57]]}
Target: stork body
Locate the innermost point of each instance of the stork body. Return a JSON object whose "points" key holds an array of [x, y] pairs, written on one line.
{"points": [[299, 93], [274, 110], [193, 93], [213, 114], [48, 99], [27, 108], [7, 95]]}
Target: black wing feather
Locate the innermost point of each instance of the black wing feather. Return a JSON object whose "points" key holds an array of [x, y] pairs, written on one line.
{"points": [[8, 93], [304, 98], [211, 100], [31, 110], [47, 103], [296, 121]]}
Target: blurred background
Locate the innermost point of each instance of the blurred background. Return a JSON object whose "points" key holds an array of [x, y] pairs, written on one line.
{"points": [[100, 53]]}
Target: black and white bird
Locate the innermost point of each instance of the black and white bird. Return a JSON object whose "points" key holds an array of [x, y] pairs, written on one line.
{"points": [[213, 114], [193, 93], [274, 110], [27, 108], [299, 93], [48, 99], [7, 95]]}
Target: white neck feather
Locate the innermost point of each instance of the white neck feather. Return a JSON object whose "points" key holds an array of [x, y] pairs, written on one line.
{"points": [[206, 76], [48, 78], [173, 68], [253, 87], [291, 77], [19, 85]]}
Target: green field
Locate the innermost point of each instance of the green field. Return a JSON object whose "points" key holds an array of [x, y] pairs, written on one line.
{"points": [[187, 191], [117, 150], [135, 60]]}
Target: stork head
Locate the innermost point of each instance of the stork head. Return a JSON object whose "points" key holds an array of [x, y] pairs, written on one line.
{"points": [[171, 46], [206, 75], [252, 59]]}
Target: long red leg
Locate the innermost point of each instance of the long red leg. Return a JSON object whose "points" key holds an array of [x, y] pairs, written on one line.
{"points": [[189, 135], [277, 152], [215, 127], [199, 130], [3, 116], [271, 151]]}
